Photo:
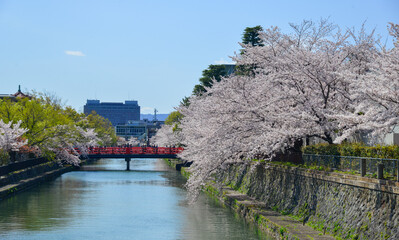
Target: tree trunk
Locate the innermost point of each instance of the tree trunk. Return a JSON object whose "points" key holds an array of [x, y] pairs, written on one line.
{"points": [[292, 154], [328, 138]]}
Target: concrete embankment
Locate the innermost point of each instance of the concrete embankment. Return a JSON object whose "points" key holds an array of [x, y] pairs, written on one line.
{"points": [[23, 179], [295, 203]]}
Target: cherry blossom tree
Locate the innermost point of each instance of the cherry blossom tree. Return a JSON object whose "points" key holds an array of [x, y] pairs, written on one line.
{"points": [[167, 136], [377, 91], [64, 145], [121, 141], [133, 141], [86, 138], [11, 136], [313, 71], [301, 85]]}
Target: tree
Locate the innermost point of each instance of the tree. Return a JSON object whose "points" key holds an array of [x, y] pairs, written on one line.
{"points": [[50, 129], [314, 71], [213, 73], [167, 136], [303, 86], [185, 101], [11, 136], [378, 90], [251, 36], [170, 133], [174, 118], [133, 141], [103, 128]]}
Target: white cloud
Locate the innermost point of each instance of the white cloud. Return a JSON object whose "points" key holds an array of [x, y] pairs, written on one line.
{"points": [[223, 61], [74, 53]]}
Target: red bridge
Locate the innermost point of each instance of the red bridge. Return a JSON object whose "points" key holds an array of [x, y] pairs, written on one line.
{"points": [[133, 152]]}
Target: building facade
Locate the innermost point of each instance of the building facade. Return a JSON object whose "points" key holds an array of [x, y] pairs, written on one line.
{"points": [[142, 130], [116, 112]]}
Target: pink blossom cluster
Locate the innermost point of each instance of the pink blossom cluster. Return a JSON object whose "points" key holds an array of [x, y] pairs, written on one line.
{"points": [[11, 136]]}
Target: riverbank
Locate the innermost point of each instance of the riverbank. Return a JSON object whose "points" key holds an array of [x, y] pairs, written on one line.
{"points": [[344, 206], [17, 181], [256, 212]]}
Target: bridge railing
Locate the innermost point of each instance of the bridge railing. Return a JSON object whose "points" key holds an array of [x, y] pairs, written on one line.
{"points": [[134, 150]]}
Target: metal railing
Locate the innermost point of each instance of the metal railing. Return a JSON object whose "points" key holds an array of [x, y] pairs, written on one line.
{"points": [[364, 166]]}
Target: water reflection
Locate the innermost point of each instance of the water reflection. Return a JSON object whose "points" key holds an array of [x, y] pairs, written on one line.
{"points": [[43, 208], [105, 202]]}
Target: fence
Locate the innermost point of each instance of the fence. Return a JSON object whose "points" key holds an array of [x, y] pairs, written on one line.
{"points": [[373, 167]]}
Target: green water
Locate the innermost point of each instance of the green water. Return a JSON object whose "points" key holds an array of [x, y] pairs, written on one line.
{"points": [[102, 201]]}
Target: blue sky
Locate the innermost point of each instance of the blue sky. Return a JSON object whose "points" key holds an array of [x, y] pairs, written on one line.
{"points": [[150, 51]]}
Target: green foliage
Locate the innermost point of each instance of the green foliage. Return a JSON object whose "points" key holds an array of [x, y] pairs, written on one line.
{"points": [[283, 230], [198, 90], [185, 101], [173, 118], [46, 120], [40, 118], [251, 36], [321, 149], [212, 73], [337, 227], [353, 149], [303, 212], [103, 127]]}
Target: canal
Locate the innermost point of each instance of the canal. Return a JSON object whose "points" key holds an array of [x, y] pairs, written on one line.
{"points": [[104, 202]]}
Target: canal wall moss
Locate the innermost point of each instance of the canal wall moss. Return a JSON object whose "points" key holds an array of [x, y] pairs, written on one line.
{"points": [[346, 206], [172, 162], [272, 223]]}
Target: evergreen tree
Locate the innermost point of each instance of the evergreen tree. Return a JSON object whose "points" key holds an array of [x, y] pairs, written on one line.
{"points": [[209, 75], [251, 36]]}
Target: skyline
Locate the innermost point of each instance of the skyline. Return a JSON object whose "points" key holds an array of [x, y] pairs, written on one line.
{"points": [[152, 52]]}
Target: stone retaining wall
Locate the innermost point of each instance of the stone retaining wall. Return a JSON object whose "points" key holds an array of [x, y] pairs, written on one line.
{"points": [[21, 180], [346, 206]]}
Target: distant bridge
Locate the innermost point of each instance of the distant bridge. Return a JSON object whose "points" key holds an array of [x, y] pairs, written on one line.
{"points": [[133, 152]]}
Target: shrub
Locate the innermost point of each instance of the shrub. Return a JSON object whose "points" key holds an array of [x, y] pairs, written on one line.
{"points": [[353, 149], [322, 149]]}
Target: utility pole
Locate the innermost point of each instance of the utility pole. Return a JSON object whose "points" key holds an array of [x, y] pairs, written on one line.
{"points": [[155, 115]]}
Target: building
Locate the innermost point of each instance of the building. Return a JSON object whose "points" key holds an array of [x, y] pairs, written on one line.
{"points": [[117, 113], [230, 68], [142, 130], [15, 96], [137, 129]]}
